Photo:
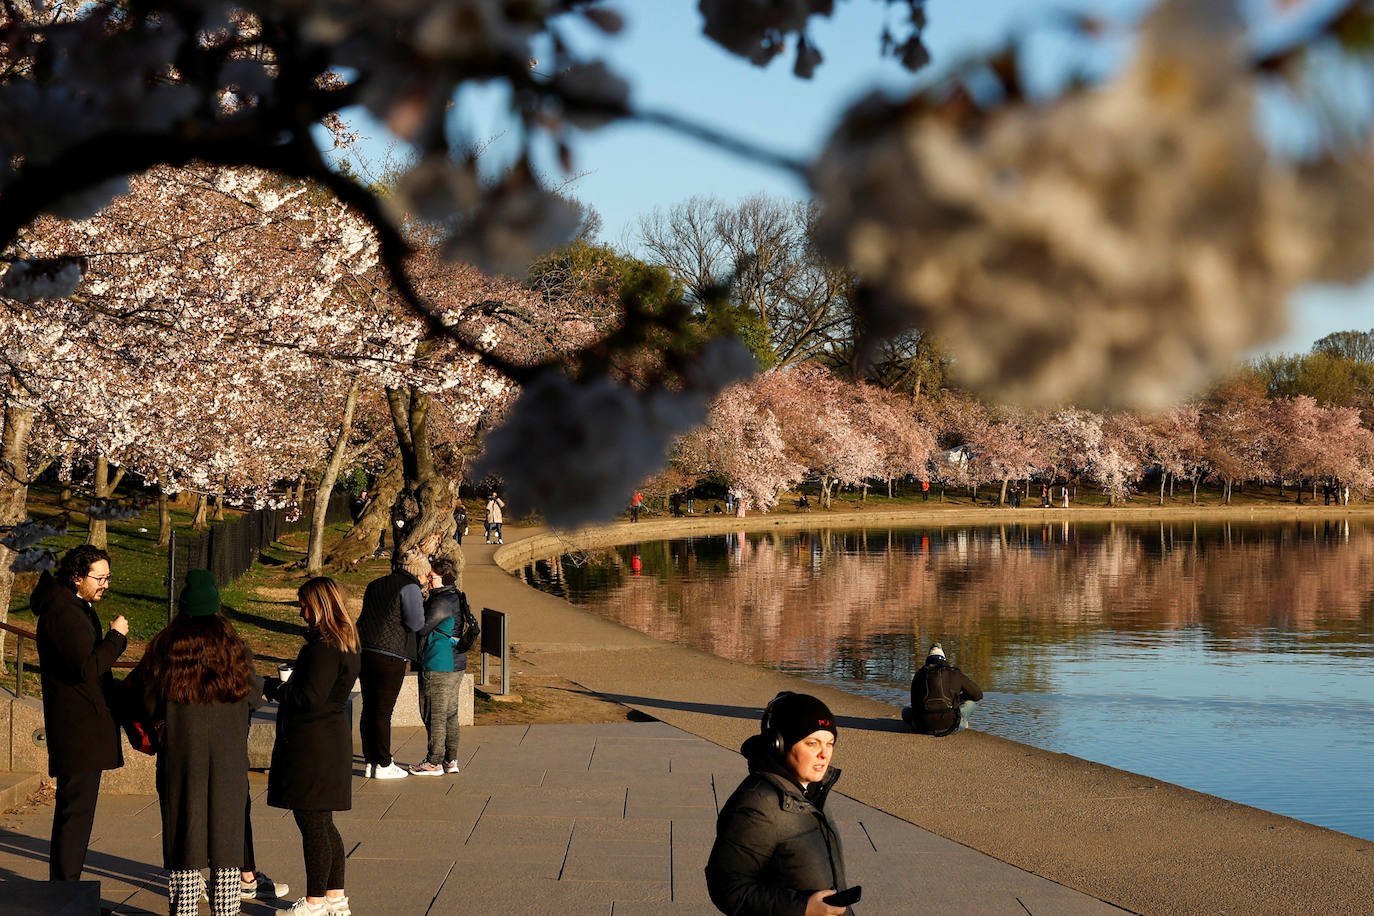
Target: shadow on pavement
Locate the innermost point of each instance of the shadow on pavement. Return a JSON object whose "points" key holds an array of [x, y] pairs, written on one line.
{"points": [[751, 713]]}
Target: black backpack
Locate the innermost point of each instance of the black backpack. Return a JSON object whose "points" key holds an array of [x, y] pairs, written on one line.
{"points": [[466, 628]]}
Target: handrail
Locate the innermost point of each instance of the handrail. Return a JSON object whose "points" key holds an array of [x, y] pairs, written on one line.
{"points": [[18, 631], [24, 634]]}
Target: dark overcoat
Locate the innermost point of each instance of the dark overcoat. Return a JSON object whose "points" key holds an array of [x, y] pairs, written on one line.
{"points": [[79, 691], [312, 760]]}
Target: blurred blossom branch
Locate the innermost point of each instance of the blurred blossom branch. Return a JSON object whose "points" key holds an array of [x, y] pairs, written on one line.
{"points": [[1117, 245]]}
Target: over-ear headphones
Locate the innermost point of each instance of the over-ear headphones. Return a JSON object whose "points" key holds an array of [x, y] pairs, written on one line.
{"points": [[771, 736]]}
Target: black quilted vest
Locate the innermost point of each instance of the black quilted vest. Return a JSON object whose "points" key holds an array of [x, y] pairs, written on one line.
{"points": [[380, 628]]}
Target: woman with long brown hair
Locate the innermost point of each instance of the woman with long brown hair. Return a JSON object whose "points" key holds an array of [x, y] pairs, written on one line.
{"points": [[312, 760], [197, 678]]}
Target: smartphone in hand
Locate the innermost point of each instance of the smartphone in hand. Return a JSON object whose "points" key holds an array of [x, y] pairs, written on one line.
{"points": [[845, 897]]}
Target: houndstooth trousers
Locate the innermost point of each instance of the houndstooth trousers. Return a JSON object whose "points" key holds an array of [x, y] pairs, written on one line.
{"points": [[185, 887]]}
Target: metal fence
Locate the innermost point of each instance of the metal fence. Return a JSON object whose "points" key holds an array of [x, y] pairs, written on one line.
{"points": [[229, 549]]}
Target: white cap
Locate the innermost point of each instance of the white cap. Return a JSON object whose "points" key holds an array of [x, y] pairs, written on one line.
{"points": [[935, 650]]}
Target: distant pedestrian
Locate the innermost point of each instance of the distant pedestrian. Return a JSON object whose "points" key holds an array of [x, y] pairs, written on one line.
{"points": [[942, 697], [196, 678], [442, 664], [78, 696], [635, 502], [925, 490], [393, 612], [312, 759], [1044, 496], [729, 502], [460, 522], [494, 517], [777, 849]]}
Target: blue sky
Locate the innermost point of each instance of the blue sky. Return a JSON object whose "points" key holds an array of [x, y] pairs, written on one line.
{"points": [[628, 169]]}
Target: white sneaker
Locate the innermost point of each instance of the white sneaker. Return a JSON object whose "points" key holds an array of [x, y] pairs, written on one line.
{"points": [[337, 906], [262, 888], [302, 907], [392, 770], [369, 770], [450, 766]]}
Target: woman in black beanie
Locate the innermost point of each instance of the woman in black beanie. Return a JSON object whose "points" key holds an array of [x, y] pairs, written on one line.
{"points": [[777, 850]]}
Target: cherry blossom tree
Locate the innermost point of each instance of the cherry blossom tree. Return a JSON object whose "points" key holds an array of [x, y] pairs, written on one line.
{"points": [[1295, 440], [1235, 425], [821, 427], [742, 441], [1007, 447], [1175, 443], [906, 445], [1346, 454]]}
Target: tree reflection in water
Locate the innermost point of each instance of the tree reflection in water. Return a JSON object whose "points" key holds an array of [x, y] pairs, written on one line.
{"points": [[1154, 647]]}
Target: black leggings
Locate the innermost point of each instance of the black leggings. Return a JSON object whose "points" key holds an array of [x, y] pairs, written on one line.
{"points": [[323, 850]]}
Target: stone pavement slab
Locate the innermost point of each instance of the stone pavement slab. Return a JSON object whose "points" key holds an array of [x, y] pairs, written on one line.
{"points": [[564, 835]]}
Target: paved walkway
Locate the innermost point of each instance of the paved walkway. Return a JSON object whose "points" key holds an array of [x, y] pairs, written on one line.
{"points": [[614, 819]]}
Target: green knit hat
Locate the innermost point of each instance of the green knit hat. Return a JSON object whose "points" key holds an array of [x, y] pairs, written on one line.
{"points": [[200, 597]]}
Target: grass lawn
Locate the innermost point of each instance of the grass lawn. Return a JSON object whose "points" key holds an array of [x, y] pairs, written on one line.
{"points": [[261, 603]]}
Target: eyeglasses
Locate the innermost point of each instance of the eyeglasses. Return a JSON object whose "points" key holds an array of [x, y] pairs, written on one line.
{"points": [[102, 580]]}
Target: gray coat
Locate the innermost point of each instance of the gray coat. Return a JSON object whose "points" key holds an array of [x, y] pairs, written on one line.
{"points": [[202, 784], [775, 844]]}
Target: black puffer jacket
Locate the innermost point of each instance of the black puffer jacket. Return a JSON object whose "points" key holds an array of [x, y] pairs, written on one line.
{"points": [[775, 844], [78, 688]]}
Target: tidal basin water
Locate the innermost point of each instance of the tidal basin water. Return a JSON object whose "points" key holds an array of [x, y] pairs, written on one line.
{"points": [[1234, 659]]}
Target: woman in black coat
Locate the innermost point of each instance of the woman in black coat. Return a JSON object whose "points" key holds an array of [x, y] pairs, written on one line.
{"points": [[312, 760], [196, 677], [777, 852]]}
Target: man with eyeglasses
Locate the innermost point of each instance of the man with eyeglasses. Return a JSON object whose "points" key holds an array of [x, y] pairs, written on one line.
{"points": [[78, 696]]}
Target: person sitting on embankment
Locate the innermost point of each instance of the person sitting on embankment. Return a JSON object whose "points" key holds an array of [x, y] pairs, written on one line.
{"points": [[942, 697]]}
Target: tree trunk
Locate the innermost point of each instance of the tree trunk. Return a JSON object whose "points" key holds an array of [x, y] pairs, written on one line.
{"points": [[825, 491], [1228, 491], [314, 552], [164, 512], [97, 532], [1163, 479], [198, 521], [14, 496], [864, 497], [218, 514], [362, 539], [1197, 479], [1002, 499], [889, 488]]}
